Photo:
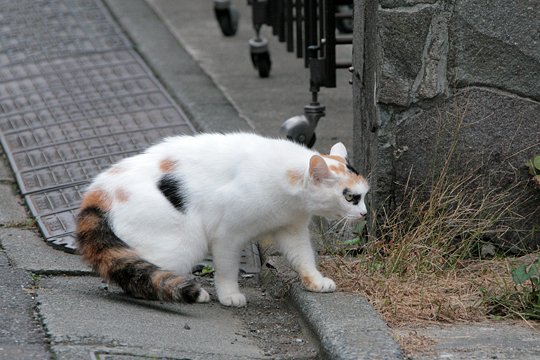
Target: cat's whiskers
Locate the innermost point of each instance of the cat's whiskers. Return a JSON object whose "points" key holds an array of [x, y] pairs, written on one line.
{"points": [[345, 227], [340, 228], [335, 225]]}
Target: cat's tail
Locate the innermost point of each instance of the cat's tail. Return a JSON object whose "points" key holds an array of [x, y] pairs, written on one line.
{"points": [[115, 261]]}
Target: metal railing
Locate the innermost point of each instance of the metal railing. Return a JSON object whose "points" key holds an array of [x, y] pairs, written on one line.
{"points": [[308, 29]]}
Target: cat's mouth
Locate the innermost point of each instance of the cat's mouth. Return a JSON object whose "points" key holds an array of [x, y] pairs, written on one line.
{"points": [[356, 217]]}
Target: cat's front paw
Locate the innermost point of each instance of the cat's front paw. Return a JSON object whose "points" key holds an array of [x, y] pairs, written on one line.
{"points": [[236, 299], [203, 297], [322, 284]]}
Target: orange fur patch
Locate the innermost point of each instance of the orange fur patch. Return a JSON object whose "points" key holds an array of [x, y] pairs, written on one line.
{"points": [[160, 277], [335, 157], [87, 224], [103, 260], [354, 179], [108, 257], [97, 198], [167, 165], [121, 195], [338, 169], [294, 177], [308, 282]]}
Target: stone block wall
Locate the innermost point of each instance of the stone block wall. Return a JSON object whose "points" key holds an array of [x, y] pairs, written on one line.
{"points": [[422, 65]]}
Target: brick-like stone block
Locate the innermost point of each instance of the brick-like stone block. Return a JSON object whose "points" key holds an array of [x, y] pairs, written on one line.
{"points": [[402, 37], [496, 43]]}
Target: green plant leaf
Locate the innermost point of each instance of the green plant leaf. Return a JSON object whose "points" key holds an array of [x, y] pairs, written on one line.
{"points": [[354, 241], [520, 274], [533, 164], [536, 162], [207, 270], [360, 226]]}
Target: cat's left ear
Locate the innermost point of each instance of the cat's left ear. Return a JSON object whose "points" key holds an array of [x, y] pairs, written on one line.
{"points": [[339, 150], [318, 170]]}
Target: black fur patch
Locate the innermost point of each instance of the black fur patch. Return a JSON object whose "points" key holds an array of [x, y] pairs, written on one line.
{"points": [[190, 292], [351, 169], [355, 198], [171, 187], [134, 276]]}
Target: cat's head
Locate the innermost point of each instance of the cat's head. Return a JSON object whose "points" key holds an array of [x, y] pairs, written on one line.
{"points": [[334, 188]]}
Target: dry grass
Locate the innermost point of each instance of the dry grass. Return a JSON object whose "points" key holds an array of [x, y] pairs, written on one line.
{"points": [[423, 264], [457, 295]]}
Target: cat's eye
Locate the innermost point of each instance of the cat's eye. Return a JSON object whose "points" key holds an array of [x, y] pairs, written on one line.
{"points": [[349, 197]]}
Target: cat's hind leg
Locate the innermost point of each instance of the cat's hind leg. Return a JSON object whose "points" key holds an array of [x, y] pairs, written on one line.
{"points": [[226, 260]]}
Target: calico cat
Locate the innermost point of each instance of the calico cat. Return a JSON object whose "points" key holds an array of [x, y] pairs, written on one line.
{"points": [[146, 221]]}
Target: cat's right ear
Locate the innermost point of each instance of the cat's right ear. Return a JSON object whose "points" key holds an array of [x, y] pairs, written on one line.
{"points": [[339, 150], [318, 170]]}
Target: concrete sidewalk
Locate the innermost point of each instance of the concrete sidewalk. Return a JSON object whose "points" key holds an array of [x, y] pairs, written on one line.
{"points": [[52, 305]]}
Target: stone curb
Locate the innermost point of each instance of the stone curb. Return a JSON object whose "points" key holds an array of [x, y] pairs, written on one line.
{"points": [[345, 326]]}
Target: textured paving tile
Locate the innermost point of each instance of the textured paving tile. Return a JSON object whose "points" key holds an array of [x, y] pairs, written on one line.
{"points": [[42, 29], [74, 98]]}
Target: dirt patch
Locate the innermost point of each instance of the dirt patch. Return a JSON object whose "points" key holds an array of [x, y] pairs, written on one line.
{"points": [[414, 344], [271, 323]]}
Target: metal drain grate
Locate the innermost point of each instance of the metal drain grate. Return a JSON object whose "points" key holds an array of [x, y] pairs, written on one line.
{"points": [[65, 120], [31, 30]]}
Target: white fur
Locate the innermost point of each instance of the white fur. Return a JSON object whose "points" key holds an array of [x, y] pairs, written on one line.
{"points": [[237, 189], [339, 150]]}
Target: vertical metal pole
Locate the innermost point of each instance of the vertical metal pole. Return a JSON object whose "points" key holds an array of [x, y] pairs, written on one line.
{"points": [[321, 17], [299, 36], [281, 20], [289, 26], [310, 26], [274, 16], [330, 43]]}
